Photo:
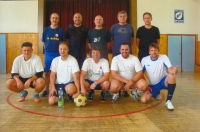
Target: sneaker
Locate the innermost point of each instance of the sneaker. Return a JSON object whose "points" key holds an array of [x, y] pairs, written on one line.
{"points": [[44, 94], [70, 99], [169, 105], [36, 97], [134, 94], [65, 94], [91, 95], [103, 96], [23, 95], [159, 97], [115, 97], [125, 93], [108, 94]]}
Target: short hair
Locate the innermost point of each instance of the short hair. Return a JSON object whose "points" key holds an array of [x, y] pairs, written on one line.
{"points": [[125, 43], [147, 13], [121, 12], [63, 42], [54, 13], [27, 44], [95, 48], [154, 45]]}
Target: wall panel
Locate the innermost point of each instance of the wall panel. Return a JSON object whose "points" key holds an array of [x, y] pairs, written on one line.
{"points": [[13, 49]]}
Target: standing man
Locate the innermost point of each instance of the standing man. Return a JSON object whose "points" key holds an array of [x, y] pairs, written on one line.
{"points": [[96, 71], [27, 71], [76, 36], [51, 37], [121, 32], [64, 74], [127, 73], [146, 35], [156, 65], [100, 37]]}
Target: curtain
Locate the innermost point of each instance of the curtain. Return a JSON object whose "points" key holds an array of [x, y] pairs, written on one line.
{"points": [[108, 9]]}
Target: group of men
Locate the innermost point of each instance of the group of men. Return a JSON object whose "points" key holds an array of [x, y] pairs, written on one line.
{"points": [[66, 65]]}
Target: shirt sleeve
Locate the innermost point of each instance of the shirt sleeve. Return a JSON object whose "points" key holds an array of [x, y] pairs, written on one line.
{"points": [[85, 65], [167, 62], [15, 66], [157, 33], [75, 67], [114, 65], [138, 66], [38, 65], [106, 66]]}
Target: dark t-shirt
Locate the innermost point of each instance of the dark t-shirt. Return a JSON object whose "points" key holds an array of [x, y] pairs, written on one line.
{"points": [[77, 40], [147, 36], [100, 38]]}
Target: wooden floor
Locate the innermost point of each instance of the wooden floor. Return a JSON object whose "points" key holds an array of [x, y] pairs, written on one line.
{"points": [[125, 115]]}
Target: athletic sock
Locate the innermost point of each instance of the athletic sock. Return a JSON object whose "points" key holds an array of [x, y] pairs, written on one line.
{"points": [[171, 88]]}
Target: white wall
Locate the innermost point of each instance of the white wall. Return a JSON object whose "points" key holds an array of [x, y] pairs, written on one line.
{"points": [[163, 15], [18, 16], [198, 19]]}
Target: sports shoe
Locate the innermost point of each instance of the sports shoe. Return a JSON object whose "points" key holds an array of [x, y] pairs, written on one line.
{"points": [[169, 105], [115, 97], [159, 97], [134, 94], [36, 97], [23, 95], [70, 99], [125, 93], [108, 94], [103, 96], [65, 94], [91, 95], [44, 94]]}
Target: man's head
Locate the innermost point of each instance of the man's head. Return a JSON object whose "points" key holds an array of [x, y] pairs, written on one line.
{"points": [[63, 49], [154, 50], [77, 19], [122, 17], [27, 50], [98, 21], [125, 50], [147, 18], [54, 18], [96, 53]]}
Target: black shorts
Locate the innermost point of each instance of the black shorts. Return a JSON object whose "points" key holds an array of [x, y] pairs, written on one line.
{"points": [[98, 87], [25, 79]]}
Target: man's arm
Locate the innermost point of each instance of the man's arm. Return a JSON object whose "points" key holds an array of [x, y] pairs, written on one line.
{"points": [[112, 42], [137, 77], [52, 82], [158, 41], [172, 70], [82, 81], [137, 42], [132, 41], [104, 78], [116, 76], [89, 45], [67, 41], [76, 76]]}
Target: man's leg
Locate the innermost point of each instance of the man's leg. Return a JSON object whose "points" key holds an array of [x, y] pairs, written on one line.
{"points": [[115, 87], [39, 85], [105, 87]]}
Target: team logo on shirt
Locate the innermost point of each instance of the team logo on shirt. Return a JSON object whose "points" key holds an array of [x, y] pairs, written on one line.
{"points": [[97, 39], [56, 35], [122, 30], [89, 73]]}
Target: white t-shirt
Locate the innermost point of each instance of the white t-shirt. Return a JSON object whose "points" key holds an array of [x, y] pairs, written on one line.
{"points": [[64, 69], [27, 69], [95, 70], [126, 67], [156, 69]]}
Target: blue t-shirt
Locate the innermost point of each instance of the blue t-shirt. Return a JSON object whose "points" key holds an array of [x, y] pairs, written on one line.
{"points": [[121, 33], [100, 38], [52, 38]]}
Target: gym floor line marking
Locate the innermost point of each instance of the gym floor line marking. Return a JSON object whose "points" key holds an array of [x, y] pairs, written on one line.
{"points": [[100, 116]]}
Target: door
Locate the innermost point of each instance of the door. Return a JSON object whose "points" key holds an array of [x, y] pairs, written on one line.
{"points": [[181, 52], [2, 53]]}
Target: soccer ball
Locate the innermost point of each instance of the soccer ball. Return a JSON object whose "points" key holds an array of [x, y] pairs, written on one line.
{"points": [[80, 100]]}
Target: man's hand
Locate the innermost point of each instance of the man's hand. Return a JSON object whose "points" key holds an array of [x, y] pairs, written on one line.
{"points": [[128, 85], [20, 85], [27, 83]]}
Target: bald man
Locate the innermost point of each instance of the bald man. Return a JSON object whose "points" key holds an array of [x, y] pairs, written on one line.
{"points": [[99, 37], [51, 37], [76, 36]]}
